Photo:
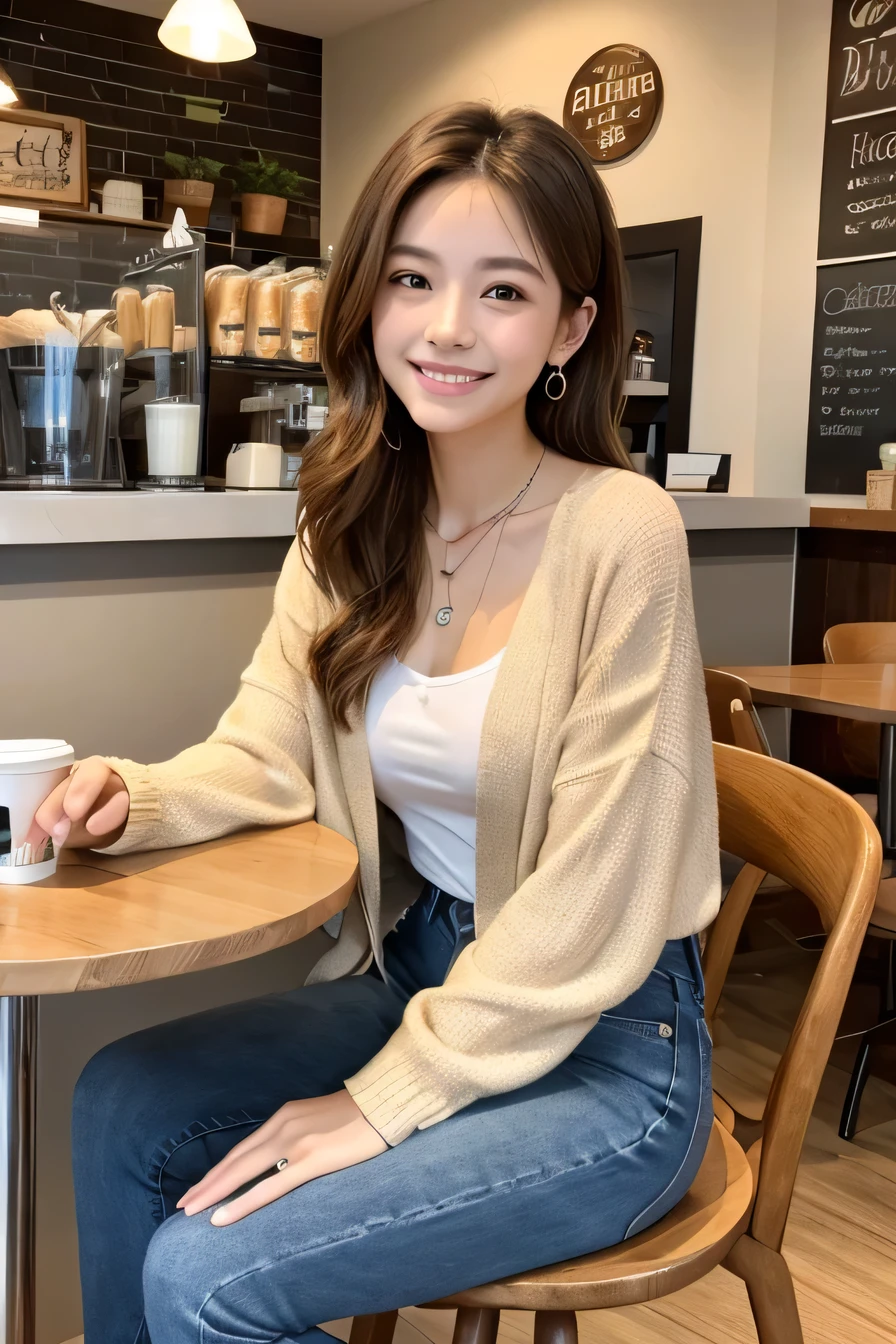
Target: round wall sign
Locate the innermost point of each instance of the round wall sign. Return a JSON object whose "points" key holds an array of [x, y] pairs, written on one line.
{"points": [[614, 102]]}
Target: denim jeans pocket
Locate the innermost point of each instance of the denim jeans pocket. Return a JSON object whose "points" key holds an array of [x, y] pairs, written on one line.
{"points": [[639, 1026]]}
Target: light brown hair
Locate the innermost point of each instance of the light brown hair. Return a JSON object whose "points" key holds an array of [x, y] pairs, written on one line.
{"points": [[361, 504]]}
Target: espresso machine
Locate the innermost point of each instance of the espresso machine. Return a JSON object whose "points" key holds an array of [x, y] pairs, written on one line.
{"points": [[284, 416], [97, 323]]}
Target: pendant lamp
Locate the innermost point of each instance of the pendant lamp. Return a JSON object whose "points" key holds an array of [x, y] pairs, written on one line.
{"points": [[207, 30], [8, 94]]}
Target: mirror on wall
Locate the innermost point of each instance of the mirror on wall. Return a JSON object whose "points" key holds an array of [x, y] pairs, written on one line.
{"points": [[662, 261]]}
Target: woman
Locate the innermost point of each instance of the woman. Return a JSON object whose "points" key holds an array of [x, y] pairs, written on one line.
{"points": [[482, 668]]}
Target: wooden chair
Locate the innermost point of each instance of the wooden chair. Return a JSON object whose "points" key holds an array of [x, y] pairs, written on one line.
{"points": [[792, 823], [732, 714], [733, 719], [867, 642]]}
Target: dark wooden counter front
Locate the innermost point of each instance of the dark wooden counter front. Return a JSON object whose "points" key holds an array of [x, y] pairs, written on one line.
{"points": [[845, 571]]}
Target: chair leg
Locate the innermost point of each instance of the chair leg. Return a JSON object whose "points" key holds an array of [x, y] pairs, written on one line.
{"points": [[377, 1329], [556, 1327], [476, 1325], [849, 1117], [770, 1289]]}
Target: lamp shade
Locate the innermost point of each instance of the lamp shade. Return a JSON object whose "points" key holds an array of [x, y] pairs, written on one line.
{"points": [[8, 94], [207, 30]]}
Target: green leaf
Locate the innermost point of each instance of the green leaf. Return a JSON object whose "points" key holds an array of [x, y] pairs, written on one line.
{"points": [[197, 169], [268, 178]]}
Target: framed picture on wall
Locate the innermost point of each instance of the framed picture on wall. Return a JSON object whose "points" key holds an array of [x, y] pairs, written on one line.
{"points": [[43, 158]]}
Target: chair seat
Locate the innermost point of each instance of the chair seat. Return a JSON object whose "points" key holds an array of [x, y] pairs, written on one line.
{"points": [[691, 1240]]}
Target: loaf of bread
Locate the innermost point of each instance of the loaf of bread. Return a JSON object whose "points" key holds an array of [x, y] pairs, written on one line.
{"points": [[158, 318], [99, 327], [263, 317], [34, 326], [301, 318], [129, 307], [226, 290]]}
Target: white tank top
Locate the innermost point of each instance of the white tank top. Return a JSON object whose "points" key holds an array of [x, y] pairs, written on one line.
{"points": [[423, 737]]}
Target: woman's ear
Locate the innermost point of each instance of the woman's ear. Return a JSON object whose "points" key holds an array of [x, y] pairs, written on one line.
{"points": [[572, 330]]}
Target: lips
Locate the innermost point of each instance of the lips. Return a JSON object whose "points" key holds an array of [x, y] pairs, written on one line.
{"points": [[453, 382], [448, 372]]}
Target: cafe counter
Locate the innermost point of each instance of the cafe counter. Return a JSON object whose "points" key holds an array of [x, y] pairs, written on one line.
{"points": [[130, 614], [50, 517]]}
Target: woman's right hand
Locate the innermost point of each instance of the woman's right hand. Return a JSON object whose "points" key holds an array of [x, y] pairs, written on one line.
{"points": [[89, 809]]}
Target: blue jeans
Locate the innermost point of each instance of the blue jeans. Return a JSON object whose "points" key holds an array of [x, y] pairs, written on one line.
{"points": [[593, 1152]]}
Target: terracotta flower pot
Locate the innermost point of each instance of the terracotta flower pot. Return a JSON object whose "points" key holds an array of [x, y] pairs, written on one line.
{"points": [[263, 214], [194, 198]]}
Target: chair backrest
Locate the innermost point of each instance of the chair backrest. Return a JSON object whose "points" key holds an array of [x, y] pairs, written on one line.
{"points": [[788, 822], [732, 714], [861, 642]]}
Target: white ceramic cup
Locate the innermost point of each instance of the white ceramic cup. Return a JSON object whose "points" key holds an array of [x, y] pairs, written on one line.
{"points": [[30, 769], [172, 438]]}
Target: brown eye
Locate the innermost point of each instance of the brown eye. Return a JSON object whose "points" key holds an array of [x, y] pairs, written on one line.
{"points": [[505, 292], [410, 276]]}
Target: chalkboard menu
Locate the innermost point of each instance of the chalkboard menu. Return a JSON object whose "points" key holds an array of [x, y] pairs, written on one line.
{"points": [[858, 189], [852, 398]]}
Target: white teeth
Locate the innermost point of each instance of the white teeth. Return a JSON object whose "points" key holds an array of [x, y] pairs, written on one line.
{"points": [[448, 377]]}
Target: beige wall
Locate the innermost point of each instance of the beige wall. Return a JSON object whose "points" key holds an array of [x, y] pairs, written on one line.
{"points": [[739, 143]]}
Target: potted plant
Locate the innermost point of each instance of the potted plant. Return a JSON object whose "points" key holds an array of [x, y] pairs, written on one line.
{"points": [[265, 188], [191, 188]]}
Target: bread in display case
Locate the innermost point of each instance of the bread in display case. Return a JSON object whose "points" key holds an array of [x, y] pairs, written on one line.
{"points": [[99, 323]]}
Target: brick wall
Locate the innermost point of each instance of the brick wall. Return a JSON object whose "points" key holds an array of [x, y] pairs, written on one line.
{"points": [[109, 69]]}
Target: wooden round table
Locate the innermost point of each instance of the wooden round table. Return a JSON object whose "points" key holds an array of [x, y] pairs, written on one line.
{"points": [[850, 691], [106, 920]]}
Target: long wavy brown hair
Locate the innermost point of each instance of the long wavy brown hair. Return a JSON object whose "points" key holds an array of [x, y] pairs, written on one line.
{"points": [[361, 504]]}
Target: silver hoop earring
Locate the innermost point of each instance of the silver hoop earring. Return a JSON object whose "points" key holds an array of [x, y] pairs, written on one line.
{"points": [[556, 373], [392, 445]]}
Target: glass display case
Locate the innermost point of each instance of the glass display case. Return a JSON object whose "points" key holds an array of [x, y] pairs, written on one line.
{"points": [[102, 357]]}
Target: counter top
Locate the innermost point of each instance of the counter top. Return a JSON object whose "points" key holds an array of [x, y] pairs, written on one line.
{"points": [[850, 512], [49, 516], [43, 517], [704, 511]]}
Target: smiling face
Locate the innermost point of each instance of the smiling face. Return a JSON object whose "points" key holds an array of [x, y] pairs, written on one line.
{"points": [[467, 309]]}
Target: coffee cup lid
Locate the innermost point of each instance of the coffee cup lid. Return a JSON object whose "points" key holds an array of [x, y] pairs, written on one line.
{"points": [[36, 751]]}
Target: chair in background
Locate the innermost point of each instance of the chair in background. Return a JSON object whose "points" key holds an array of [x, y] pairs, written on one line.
{"points": [[867, 642], [820, 841], [732, 714]]}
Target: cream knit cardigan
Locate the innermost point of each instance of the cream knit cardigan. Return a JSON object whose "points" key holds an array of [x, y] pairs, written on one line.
{"points": [[596, 808]]}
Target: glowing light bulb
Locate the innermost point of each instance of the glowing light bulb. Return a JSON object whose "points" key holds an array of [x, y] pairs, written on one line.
{"points": [[207, 30]]}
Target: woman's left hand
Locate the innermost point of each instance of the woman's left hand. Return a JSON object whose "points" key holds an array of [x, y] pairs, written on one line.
{"points": [[317, 1136]]}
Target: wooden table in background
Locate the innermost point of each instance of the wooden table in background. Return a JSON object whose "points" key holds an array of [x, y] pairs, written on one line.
{"points": [[850, 691], [103, 921]]}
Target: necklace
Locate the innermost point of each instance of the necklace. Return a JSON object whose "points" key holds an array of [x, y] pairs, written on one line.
{"points": [[443, 615]]}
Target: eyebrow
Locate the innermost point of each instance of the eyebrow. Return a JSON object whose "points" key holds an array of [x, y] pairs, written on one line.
{"points": [[484, 264]]}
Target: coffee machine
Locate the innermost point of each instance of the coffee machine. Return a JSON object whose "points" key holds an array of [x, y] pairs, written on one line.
{"points": [[97, 322], [284, 416]]}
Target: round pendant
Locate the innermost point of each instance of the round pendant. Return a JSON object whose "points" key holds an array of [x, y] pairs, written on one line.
{"points": [[443, 615]]}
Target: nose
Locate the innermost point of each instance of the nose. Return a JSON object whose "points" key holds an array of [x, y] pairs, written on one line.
{"points": [[448, 321]]}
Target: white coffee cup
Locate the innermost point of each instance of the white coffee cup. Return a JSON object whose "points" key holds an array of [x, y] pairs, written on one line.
{"points": [[30, 769], [172, 438]]}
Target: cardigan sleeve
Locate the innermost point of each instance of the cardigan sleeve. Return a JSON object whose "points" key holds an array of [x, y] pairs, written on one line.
{"points": [[255, 768], [632, 826]]}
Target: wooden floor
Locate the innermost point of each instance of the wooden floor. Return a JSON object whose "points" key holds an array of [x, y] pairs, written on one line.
{"points": [[841, 1237]]}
